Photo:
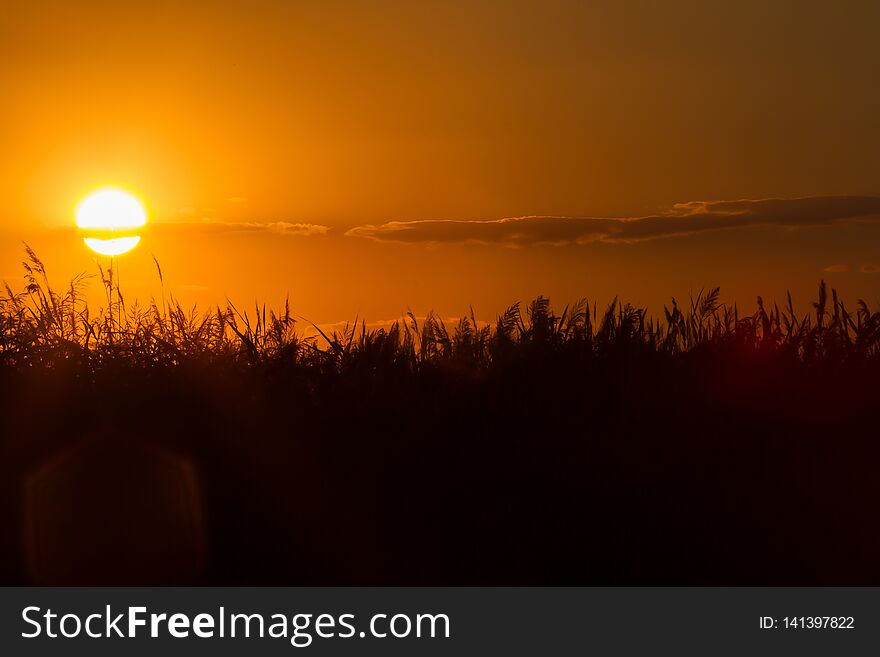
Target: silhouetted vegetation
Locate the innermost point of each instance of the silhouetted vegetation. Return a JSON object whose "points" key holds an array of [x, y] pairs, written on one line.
{"points": [[42, 327], [585, 447]]}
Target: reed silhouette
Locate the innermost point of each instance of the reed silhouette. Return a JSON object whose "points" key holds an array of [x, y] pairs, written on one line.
{"points": [[707, 447]]}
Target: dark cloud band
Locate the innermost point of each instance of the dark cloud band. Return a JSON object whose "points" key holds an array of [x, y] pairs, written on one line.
{"points": [[682, 219]]}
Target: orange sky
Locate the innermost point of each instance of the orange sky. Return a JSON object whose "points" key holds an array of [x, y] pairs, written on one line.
{"points": [[236, 122]]}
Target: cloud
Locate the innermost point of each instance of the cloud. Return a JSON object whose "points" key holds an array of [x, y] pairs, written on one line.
{"points": [[681, 219], [869, 268], [279, 227], [836, 269]]}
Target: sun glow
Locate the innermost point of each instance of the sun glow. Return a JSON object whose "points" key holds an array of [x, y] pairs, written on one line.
{"points": [[107, 213]]}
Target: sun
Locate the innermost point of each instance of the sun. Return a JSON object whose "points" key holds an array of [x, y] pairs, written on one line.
{"points": [[111, 217]]}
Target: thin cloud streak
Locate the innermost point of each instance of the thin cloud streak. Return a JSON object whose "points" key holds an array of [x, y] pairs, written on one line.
{"points": [[682, 219], [276, 227]]}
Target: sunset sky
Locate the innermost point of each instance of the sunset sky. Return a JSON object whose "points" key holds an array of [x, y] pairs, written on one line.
{"points": [[369, 157]]}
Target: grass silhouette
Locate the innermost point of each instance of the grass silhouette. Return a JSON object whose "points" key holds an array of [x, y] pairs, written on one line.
{"points": [[586, 447], [44, 327]]}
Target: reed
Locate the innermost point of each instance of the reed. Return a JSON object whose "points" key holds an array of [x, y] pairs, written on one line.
{"points": [[40, 326]]}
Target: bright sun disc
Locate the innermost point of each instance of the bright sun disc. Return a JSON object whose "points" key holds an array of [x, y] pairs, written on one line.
{"points": [[107, 213], [112, 247]]}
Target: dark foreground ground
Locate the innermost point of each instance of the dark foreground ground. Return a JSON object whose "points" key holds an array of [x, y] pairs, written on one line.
{"points": [[638, 467]]}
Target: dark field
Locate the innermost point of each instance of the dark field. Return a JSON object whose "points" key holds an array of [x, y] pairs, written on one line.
{"points": [[712, 447]]}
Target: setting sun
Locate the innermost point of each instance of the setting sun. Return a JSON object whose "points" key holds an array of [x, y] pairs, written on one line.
{"points": [[106, 213]]}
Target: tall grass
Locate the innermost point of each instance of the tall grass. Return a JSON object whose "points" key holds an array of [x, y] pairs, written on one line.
{"points": [[41, 326], [596, 445]]}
